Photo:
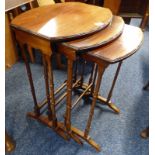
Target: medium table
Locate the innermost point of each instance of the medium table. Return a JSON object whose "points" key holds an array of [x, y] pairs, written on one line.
{"points": [[112, 45]]}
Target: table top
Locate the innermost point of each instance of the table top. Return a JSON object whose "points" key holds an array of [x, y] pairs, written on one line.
{"points": [[63, 20], [11, 4], [111, 32], [123, 47]]}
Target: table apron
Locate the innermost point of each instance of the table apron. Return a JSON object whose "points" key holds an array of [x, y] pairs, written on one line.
{"points": [[34, 41]]}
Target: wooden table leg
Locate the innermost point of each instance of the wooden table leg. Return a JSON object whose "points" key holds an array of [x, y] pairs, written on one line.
{"points": [[50, 74], [101, 69], [94, 78], [69, 101], [69, 95], [50, 115], [112, 106], [36, 107]]}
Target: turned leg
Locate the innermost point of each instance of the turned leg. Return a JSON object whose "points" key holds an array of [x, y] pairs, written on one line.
{"points": [[36, 107], [94, 78], [69, 95], [50, 74], [101, 69], [111, 105], [69, 102], [47, 88]]}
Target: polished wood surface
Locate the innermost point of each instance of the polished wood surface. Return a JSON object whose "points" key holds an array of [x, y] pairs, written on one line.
{"points": [[123, 47], [63, 20], [11, 4], [100, 38]]}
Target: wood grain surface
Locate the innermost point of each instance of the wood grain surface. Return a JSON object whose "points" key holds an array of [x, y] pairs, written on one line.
{"points": [[63, 20], [126, 45], [100, 38]]}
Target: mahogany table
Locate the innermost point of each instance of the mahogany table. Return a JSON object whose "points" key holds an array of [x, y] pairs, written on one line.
{"points": [[76, 30], [42, 28]]}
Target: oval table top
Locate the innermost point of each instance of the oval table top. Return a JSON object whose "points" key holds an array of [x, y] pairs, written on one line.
{"points": [[123, 47], [111, 32], [63, 20]]}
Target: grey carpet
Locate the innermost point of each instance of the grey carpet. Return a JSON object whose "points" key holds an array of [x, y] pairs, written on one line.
{"points": [[117, 134]]}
